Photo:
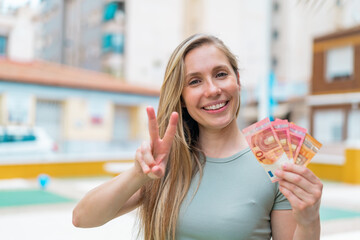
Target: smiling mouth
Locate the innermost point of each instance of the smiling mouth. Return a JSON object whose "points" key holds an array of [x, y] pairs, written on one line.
{"points": [[216, 106]]}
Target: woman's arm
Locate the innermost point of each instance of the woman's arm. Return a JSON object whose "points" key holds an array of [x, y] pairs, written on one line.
{"points": [[122, 193], [283, 224], [284, 227], [303, 190], [109, 200]]}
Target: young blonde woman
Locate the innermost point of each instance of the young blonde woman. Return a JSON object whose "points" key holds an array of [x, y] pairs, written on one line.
{"points": [[197, 178]]}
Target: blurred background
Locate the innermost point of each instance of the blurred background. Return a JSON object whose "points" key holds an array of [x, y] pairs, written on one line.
{"points": [[77, 75]]}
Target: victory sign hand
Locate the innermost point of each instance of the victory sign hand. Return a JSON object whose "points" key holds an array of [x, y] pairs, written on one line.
{"points": [[152, 156]]}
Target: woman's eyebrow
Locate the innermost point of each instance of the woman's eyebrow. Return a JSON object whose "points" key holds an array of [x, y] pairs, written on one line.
{"points": [[220, 67], [192, 74]]}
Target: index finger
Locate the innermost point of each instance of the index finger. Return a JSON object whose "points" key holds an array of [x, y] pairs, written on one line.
{"points": [[153, 126], [170, 130]]}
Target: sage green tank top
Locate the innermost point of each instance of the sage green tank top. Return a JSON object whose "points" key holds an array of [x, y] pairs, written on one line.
{"points": [[234, 201]]}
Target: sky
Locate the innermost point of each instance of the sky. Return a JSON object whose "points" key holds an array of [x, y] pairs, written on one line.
{"points": [[17, 3]]}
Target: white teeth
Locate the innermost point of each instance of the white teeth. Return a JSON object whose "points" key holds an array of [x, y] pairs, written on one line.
{"points": [[214, 107]]}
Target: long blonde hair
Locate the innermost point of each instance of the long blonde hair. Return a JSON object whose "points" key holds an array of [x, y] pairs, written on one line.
{"points": [[162, 198]]}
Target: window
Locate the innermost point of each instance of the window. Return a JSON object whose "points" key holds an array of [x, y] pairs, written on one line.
{"points": [[106, 42], [111, 9], [18, 107], [353, 131], [49, 117], [118, 43], [122, 123], [275, 34], [113, 42], [328, 125], [274, 62], [3, 45], [276, 6], [339, 64]]}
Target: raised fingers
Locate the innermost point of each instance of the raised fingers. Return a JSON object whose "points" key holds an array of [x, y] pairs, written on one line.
{"points": [[153, 126], [170, 130], [155, 154]]}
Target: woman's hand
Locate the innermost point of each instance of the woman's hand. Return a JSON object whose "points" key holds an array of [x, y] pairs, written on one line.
{"points": [[152, 156], [303, 190]]}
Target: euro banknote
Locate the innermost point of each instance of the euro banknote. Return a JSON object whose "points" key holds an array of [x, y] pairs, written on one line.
{"points": [[266, 147], [308, 150], [281, 128], [297, 136], [275, 143]]}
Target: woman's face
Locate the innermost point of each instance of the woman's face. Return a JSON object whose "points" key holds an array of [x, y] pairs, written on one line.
{"points": [[211, 89]]}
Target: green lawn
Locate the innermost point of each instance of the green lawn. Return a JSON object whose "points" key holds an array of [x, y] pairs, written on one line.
{"points": [[331, 213], [10, 198]]}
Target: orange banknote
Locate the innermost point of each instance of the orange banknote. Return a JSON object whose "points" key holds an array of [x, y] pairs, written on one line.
{"points": [[266, 147], [308, 150], [297, 136], [281, 128]]}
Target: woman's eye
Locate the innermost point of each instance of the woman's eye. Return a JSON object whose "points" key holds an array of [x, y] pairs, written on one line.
{"points": [[221, 74], [195, 81]]}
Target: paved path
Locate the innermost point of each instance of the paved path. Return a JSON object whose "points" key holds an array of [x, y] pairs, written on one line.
{"points": [[341, 208]]}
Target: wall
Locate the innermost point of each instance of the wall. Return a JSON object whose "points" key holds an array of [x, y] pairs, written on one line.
{"points": [[78, 123], [242, 26], [153, 30], [22, 37], [3, 113], [20, 106]]}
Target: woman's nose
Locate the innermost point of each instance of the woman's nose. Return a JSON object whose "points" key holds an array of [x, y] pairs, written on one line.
{"points": [[212, 89]]}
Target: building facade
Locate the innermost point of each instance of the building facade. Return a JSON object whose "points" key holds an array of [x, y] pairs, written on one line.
{"points": [[87, 116], [335, 104], [83, 33], [335, 87], [294, 26]]}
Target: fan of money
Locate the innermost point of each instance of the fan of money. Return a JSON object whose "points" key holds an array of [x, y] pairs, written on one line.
{"points": [[278, 142]]}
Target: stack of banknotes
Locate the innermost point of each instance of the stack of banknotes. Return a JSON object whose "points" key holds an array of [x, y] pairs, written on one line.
{"points": [[277, 142]]}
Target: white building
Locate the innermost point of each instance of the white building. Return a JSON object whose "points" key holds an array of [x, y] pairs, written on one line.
{"points": [[155, 28], [18, 34]]}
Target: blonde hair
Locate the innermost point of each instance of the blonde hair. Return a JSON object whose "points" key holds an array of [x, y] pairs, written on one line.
{"points": [[162, 198]]}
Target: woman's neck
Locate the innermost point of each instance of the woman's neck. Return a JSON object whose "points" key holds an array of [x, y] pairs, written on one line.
{"points": [[222, 143]]}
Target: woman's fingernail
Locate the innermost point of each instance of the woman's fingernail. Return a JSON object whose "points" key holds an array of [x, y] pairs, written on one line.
{"points": [[285, 166]]}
